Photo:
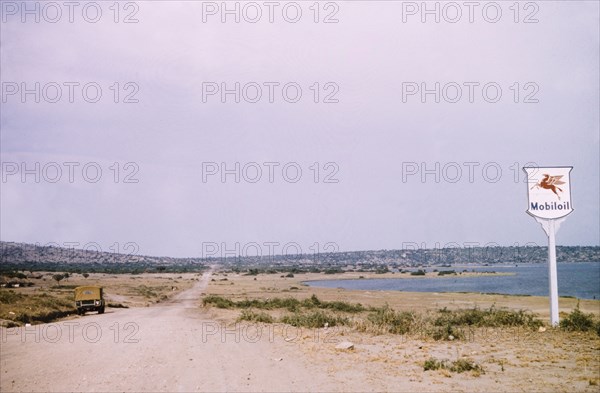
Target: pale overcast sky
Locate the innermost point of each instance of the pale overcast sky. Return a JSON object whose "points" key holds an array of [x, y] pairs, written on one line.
{"points": [[369, 129]]}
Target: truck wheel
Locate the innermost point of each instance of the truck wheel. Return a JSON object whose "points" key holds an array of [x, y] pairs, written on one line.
{"points": [[101, 310]]}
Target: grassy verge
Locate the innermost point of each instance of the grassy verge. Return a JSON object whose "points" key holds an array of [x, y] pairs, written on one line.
{"points": [[291, 304], [18, 309], [442, 324]]}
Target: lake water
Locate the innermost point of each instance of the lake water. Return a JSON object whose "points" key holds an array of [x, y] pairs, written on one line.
{"points": [[581, 280]]}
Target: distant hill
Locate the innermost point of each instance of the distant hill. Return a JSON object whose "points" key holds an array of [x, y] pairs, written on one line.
{"points": [[22, 256]]}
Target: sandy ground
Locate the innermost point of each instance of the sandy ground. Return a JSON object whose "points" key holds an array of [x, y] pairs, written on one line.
{"points": [[179, 346]]}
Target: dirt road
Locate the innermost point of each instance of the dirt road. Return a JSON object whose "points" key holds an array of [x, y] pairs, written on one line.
{"points": [[177, 347], [171, 347]]}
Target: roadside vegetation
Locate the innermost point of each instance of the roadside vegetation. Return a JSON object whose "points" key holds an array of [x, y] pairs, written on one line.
{"points": [[578, 321], [43, 297], [19, 309], [312, 312]]}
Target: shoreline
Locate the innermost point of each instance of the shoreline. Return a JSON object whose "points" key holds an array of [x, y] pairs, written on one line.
{"points": [[404, 276], [240, 287]]}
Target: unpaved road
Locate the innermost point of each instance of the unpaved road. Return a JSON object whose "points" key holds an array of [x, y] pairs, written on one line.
{"points": [[171, 347]]}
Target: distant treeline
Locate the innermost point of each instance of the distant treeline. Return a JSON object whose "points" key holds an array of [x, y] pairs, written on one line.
{"points": [[20, 256], [31, 257], [372, 260]]}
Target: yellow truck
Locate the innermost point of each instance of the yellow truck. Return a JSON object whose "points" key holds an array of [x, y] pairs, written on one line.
{"points": [[89, 298]]}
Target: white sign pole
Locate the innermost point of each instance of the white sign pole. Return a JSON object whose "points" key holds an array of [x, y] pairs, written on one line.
{"points": [[549, 202], [551, 227]]}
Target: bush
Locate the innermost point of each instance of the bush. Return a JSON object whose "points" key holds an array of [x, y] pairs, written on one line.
{"points": [[578, 321], [315, 319], [462, 365], [491, 317], [433, 364], [418, 273], [249, 315], [447, 332], [392, 321], [446, 272], [58, 277], [217, 301], [342, 306]]}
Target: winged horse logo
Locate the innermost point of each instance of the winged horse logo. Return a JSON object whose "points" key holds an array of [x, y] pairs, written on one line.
{"points": [[550, 183]]}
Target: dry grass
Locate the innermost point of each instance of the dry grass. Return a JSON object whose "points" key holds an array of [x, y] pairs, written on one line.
{"points": [[46, 300], [17, 308]]}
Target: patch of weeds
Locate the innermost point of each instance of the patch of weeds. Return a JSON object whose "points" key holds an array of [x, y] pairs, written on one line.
{"points": [[249, 315], [146, 291], [577, 321], [314, 319], [217, 301], [447, 332], [392, 321], [457, 366], [492, 317], [10, 296]]}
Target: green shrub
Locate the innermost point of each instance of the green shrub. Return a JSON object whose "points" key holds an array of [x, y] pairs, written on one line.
{"points": [[491, 317], [433, 364], [578, 321], [291, 304], [392, 321], [447, 332], [249, 315], [217, 301], [342, 306], [462, 365], [314, 319]]}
